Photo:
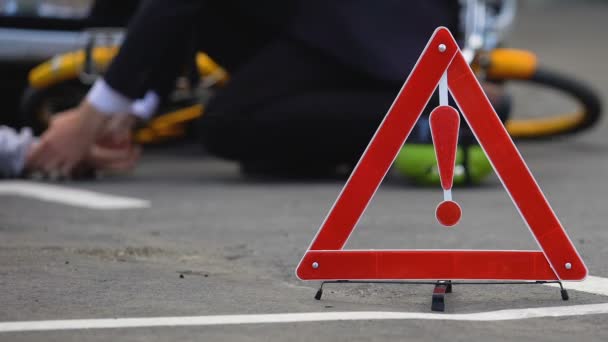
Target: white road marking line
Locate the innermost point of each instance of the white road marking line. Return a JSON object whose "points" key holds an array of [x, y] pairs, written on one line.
{"points": [[113, 323], [70, 196], [595, 285]]}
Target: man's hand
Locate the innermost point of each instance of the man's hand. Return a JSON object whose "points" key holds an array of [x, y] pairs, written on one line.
{"points": [[121, 159], [68, 140], [114, 150], [117, 131]]}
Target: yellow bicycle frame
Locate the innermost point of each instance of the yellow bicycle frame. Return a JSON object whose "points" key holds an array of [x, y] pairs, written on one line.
{"points": [[69, 66], [499, 64]]}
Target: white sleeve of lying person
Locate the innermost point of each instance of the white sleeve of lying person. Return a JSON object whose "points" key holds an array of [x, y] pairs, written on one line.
{"points": [[14, 147]]}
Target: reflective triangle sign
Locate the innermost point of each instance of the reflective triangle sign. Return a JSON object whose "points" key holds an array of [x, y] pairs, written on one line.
{"points": [[557, 258]]}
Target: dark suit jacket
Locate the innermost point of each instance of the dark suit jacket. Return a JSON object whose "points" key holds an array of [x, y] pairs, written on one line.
{"points": [[381, 38]]}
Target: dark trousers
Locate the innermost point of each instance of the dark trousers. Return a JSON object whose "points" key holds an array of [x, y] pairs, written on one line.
{"points": [[290, 104]]}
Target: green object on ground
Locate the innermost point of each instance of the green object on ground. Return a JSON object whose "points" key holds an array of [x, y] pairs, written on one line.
{"points": [[417, 162]]}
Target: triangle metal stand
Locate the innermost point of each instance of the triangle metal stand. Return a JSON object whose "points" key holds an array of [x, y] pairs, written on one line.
{"points": [[443, 287]]}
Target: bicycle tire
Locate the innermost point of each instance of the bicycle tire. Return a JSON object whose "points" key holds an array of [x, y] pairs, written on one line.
{"points": [[68, 93], [582, 120]]}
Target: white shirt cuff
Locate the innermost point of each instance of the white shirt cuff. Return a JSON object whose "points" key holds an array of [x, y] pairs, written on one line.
{"points": [[145, 107], [107, 100]]}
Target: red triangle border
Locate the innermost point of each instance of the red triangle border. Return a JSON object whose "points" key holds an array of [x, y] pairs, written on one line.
{"points": [[327, 260]]}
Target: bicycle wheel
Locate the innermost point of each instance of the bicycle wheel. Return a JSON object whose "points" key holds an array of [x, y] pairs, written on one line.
{"points": [[517, 65], [38, 106]]}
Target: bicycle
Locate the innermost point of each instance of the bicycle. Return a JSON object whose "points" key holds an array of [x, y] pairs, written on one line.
{"points": [[62, 81]]}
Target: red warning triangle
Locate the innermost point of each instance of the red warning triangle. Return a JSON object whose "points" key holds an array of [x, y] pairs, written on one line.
{"points": [[326, 259]]}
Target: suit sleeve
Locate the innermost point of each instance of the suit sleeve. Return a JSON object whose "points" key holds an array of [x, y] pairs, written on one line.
{"points": [[158, 41]]}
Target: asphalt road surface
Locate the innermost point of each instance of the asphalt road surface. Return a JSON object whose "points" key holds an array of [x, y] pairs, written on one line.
{"points": [[211, 242]]}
